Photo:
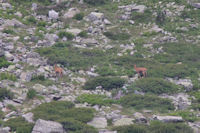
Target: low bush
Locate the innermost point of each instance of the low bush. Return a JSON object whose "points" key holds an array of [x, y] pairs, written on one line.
{"points": [[8, 76], [8, 31], [41, 24], [19, 125], [95, 2], [139, 102], [4, 62], [68, 35], [94, 99], [155, 86], [145, 17], [4, 93], [155, 127], [186, 115], [31, 20], [107, 83], [117, 36], [31, 94], [79, 16], [83, 34], [38, 77]]}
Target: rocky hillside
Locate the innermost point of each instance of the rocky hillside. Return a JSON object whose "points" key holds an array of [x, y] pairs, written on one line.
{"points": [[95, 44]]}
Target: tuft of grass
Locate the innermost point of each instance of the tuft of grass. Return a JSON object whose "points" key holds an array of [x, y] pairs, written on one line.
{"points": [[4, 62], [4, 93], [8, 76], [79, 16], [31, 94], [68, 35], [117, 36]]}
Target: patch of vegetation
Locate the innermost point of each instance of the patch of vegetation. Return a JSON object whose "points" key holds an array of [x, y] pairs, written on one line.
{"points": [[41, 24], [38, 77], [4, 93], [155, 86], [31, 94], [61, 44], [83, 34], [31, 20], [8, 76], [4, 62], [19, 125], [145, 17], [95, 2], [152, 102], [155, 127], [74, 126], [8, 31], [68, 35], [95, 99], [117, 36], [107, 83], [73, 119], [11, 107], [186, 115], [79, 16]]}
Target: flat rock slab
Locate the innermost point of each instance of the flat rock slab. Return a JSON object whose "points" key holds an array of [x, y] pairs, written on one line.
{"points": [[43, 126], [98, 122], [123, 121], [168, 118]]}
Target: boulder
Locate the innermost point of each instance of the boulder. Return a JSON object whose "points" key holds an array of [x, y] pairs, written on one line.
{"points": [[28, 117], [98, 122], [139, 118], [5, 130], [9, 56], [71, 13], [43, 126], [123, 121], [53, 14], [168, 118], [26, 76], [93, 16], [196, 5], [74, 31]]}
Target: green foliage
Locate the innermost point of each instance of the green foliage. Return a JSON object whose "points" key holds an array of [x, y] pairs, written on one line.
{"points": [[146, 102], [19, 125], [186, 115], [61, 44], [79, 16], [159, 127], [107, 83], [61, 110], [31, 20], [11, 107], [155, 127], [131, 129], [8, 76], [145, 17], [105, 71], [83, 34], [95, 99], [95, 2], [31, 94], [8, 31], [4, 62], [41, 24], [117, 36], [160, 18], [38, 78], [155, 85], [74, 126], [4, 93], [68, 35]]}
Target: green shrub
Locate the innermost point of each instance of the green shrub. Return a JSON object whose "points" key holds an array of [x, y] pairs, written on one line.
{"points": [[186, 115], [8, 76], [145, 17], [160, 18], [107, 83], [68, 35], [83, 34], [155, 85], [60, 110], [11, 107], [131, 129], [19, 125], [105, 71], [8, 31], [74, 126], [94, 99], [38, 77], [4, 62], [95, 2], [4, 93], [41, 24], [146, 102], [117, 36], [79, 16], [61, 44], [31, 94], [159, 127], [32, 20]]}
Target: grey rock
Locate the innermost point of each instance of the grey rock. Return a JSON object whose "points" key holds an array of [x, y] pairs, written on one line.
{"points": [[98, 122], [93, 16], [123, 121], [9, 56], [34, 6], [26, 76], [53, 14], [51, 37], [168, 118], [107, 131], [1, 52], [196, 5], [139, 117], [5, 130], [71, 13], [89, 41], [187, 83], [28, 117], [43, 126]]}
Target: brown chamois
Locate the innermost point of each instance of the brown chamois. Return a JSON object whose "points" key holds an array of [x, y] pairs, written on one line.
{"points": [[58, 70], [140, 70]]}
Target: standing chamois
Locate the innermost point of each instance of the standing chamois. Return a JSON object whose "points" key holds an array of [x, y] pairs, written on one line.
{"points": [[58, 70], [141, 70]]}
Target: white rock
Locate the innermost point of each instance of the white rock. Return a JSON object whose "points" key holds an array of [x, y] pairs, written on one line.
{"points": [[98, 122], [71, 13], [168, 118], [123, 121], [53, 14]]}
